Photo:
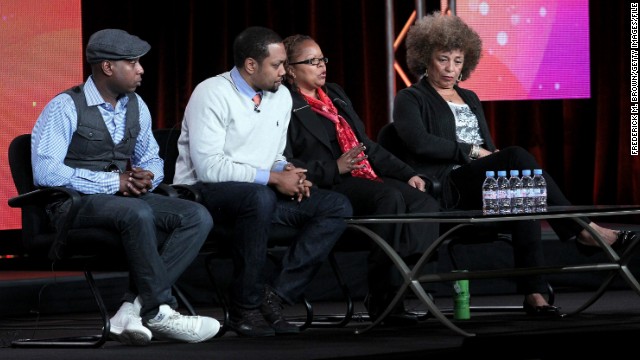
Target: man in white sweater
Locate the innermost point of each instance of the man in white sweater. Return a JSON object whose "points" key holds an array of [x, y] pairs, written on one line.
{"points": [[231, 149]]}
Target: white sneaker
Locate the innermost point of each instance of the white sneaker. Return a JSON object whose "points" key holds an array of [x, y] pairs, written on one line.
{"points": [[126, 325], [171, 325]]}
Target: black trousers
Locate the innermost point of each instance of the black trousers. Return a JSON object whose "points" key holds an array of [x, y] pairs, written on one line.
{"points": [[465, 189], [391, 196], [465, 185]]}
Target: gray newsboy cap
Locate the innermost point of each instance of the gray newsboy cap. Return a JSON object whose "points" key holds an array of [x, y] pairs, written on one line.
{"points": [[115, 44]]}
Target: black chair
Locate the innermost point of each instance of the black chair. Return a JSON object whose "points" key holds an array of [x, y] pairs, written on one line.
{"points": [[469, 235], [45, 249], [280, 237], [64, 250]]}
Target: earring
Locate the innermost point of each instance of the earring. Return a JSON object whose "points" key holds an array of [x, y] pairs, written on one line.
{"points": [[460, 77], [426, 73]]}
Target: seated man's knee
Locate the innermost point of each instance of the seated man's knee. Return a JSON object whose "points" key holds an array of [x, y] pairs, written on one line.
{"points": [[201, 216], [338, 203], [260, 197], [344, 206], [135, 213]]}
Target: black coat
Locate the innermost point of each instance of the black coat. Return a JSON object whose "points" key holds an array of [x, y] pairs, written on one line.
{"points": [[427, 126], [308, 144]]}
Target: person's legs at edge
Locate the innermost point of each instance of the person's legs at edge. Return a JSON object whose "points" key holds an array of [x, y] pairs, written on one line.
{"points": [[320, 219], [388, 197], [248, 209], [187, 225], [526, 239], [373, 198], [469, 178], [136, 221], [526, 235]]}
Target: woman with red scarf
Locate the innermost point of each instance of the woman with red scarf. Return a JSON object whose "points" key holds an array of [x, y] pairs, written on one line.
{"points": [[327, 138]]}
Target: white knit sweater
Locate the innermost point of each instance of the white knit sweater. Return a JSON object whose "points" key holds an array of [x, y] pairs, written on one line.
{"points": [[224, 139]]}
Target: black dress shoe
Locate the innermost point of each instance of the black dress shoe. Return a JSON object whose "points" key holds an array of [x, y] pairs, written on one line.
{"points": [[548, 311], [271, 309], [249, 322], [623, 239], [376, 304]]}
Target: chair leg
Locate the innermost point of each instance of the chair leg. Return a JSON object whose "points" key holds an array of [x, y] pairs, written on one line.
{"points": [[307, 305], [222, 298], [551, 294], [309, 318], [90, 341], [182, 299], [336, 320]]}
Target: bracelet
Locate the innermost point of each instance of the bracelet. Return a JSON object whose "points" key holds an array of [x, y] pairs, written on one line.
{"points": [[475, 152]]}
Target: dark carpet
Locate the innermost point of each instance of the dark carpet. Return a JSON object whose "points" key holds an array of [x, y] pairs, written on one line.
{"points": [[608, 328]]}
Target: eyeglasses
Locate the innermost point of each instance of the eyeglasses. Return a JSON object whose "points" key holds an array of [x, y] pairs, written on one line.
{"points": [[314, 61]]}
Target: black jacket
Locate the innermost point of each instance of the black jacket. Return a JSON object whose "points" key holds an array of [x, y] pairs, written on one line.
{"points": [[426, 125], [308, 145]]}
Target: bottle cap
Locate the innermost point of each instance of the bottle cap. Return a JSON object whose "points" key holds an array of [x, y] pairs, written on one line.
{"points": [[502, 172], [526, 172], [514, 173], [537, 171], [490, 173]]}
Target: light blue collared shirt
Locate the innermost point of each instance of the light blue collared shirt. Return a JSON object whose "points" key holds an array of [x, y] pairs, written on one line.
{"points": [[52, 133], [262, 175]]}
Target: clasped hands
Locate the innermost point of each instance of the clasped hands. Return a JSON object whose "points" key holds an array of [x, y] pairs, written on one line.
{"points": [[293, 182], [136, 182]]}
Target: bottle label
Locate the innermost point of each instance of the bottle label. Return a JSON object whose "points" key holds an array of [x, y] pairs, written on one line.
{"points": [[490, 195]]}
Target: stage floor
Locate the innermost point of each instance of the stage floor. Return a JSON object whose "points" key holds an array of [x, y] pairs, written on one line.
{"points": [[611, 324]]}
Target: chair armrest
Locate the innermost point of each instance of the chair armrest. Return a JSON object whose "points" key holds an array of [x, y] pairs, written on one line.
{"points": [[167, 190], [434, 187], [187, 192], [43, 196]]}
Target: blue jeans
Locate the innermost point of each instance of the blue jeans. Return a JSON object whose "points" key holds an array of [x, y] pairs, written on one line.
{"points": [[251, 210], [160, 235]]}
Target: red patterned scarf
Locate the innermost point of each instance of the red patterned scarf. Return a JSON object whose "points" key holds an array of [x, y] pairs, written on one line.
{"points": [[346, 137]]}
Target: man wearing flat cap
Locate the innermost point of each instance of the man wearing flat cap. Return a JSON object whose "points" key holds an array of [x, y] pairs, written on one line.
{"points": [[114, 44], [96, 138]]}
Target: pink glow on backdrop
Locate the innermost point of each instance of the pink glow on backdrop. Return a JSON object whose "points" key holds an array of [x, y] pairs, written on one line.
{"points": [[41, 52], [531, 49]]}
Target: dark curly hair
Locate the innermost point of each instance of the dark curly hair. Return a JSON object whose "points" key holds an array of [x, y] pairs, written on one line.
{"points": [[438, 31]]}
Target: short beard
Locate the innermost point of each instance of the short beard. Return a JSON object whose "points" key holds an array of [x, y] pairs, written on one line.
{"points": [[273, 89]]}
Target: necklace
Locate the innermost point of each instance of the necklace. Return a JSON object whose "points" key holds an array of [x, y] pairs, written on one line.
{"points": [[448, 97]]}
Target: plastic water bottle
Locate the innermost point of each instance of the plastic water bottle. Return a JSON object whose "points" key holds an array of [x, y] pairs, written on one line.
{"points": [[489, 194], [504, 199], [528, 192], [540, 185], [515, 188]]}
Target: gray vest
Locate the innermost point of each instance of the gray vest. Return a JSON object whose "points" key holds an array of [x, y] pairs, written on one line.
{"points": [[91, 145]]}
